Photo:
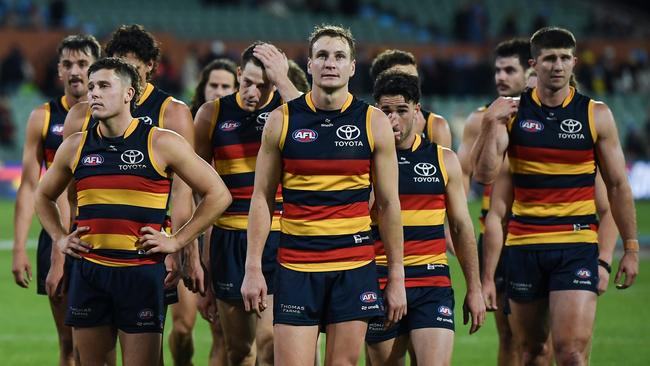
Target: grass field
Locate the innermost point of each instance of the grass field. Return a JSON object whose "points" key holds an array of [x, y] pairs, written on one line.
{"points": [[622, 334]]}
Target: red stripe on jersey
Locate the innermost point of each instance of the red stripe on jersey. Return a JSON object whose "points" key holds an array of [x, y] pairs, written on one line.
{"points": [[554, 195], [326, 167], [312, 213], [487, 190], [546, 155], [131, 182], [156, 258], [422, 201], [116, 226], [416, 247], [49, 155], [518, 228], [354, 254], [245, 193], [236, 151]]}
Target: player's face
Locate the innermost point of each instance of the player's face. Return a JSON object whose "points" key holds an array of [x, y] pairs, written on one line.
{"points": [[407, 69], [220, 83], [554, 67], [254, 86], [108, 96], [331, 65], [509, 76], [402, 115], [73, 71], [144, 68]]}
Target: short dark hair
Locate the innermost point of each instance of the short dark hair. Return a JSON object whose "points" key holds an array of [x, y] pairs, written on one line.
{"points": [[134, 39], [551, 37], [298, 77], [516, 47], [81, 42], [327, 30], [388, 59], [123, 70], [394, 82], [248, 56], [219, 64]]}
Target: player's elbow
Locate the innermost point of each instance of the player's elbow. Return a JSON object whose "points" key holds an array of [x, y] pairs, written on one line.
{"points": [[484, 176]]}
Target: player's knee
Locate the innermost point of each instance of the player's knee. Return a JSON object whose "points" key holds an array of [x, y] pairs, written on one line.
{"points": [[182, 326], [241, 353], [66, 346], [571, 353]]}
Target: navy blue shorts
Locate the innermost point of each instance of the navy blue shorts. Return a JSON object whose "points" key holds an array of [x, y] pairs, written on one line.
{"points": [[228, 261], [321, 298], [128, 298], [500, 272], [427, 307], [534, 272]]}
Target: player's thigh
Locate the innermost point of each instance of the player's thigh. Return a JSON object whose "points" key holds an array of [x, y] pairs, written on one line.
{"points": [[184, 312], [389, 352], [530, 320], [343, 341], [295, 344], [432, 346], [238, 325], [140, 348], [94, 344], [572, 316]]}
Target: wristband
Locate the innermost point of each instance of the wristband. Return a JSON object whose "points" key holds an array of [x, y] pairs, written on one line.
{"points": [[631, 246], [605, 265]]}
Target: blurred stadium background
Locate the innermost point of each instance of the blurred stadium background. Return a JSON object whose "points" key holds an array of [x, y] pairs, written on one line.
{"points": [[452, 41]]}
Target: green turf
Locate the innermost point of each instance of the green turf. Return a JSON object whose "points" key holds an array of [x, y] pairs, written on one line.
{"points": [[27, 335]]}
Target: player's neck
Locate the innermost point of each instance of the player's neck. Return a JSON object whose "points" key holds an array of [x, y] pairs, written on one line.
{"points": [[329, 101], [115, 126], [407, 143], [550, 97], [70, 100]]}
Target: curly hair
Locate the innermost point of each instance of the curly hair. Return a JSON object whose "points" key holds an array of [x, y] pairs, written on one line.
{"points": [[388, 59], [134, 39], [393, 82]]}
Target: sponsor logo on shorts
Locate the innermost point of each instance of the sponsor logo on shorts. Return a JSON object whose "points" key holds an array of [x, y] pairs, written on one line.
{"points": [[520, 286], [530, 125], [304, 135], [80, 312], [92, 160], [229, 126], [583, 273], [57, 129], [368, 297], [145, 314], [445, 310], [292, 309]]}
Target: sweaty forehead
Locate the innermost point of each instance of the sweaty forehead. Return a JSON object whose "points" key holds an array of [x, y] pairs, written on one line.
{"points": [[331, 44], [253, 73]]}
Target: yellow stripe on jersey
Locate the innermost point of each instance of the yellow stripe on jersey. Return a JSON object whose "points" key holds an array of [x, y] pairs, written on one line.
{"points": [[122, 197], [418, 260], [325, 182], [111, 241], [324, 267], [576, 208], [77, 155], [485, 202], [215, 117], [240, 222], [518, 166], [108, 263], [441, 163], [158, 169], [371, 139], [591, 121], [235, 166], [423, 217], [285, 125], [560, 237], [46, 121], [346, 226], [89, 113], [161, 115], [145, 94]]}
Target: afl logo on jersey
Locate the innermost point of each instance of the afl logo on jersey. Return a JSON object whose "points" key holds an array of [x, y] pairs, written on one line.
{"points": [[57, 130], [530, 125], [444, 310], [304, 135], [229, 126], [92, 160], [146, 120]]}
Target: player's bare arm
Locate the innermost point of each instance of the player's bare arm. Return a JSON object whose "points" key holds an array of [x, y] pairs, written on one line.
{"points": [[174, 154], [494, 236], [470, 133], [74, 121], [492, 141], [384, 163], [267, 178], [276, 68], [440, 132], [24, 210], [462, 232], [612, 166], [607, 234]]}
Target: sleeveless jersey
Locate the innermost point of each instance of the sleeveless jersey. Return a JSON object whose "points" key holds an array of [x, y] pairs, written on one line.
{"points": [[552, 161], [236, 136], [326, 158], [422, 182], [150, 108], [55, 112], [120, 189]]}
